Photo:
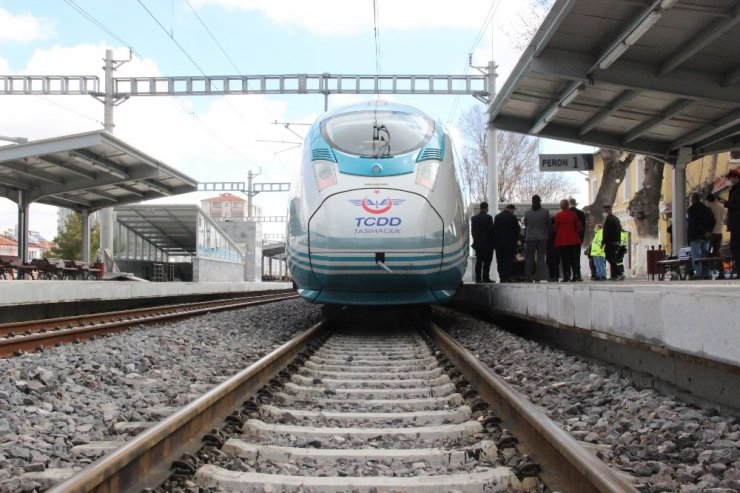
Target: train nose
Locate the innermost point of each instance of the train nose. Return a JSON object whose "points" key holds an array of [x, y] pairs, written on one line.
{"points": [[384, 239]]}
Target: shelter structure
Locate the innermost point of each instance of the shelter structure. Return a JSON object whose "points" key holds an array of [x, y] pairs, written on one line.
{"points": [[167, 242], [654, 77], [84, 172]]}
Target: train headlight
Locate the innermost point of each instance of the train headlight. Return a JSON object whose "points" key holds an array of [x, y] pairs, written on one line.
{"points": [[325, 173], [426, 174]]}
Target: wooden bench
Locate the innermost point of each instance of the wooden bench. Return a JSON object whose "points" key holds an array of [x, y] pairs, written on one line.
{"points": [[681, 267], [678, 267], [23, 270], [53, 268], [83, 269], [6, 266]]}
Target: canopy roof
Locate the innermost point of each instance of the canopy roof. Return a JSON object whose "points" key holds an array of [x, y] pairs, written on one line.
{"points": [[86, 171], [172, 228], [649, 76]]}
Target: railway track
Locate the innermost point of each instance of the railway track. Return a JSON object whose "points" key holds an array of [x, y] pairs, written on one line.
{"points": [[16, 338], [336, 411]]}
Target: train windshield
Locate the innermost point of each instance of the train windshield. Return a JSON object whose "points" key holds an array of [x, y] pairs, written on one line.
{"points": [[377, 134]]}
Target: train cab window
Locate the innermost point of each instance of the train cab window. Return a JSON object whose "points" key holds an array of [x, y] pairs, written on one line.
{"points": [[377, 134]]}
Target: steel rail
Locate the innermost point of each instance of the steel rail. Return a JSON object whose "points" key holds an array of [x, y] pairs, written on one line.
{"points": [[85, 319], [119, 321], [145, 460], [566, 465]]}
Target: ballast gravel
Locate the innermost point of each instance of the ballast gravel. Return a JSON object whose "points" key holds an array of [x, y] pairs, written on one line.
{"points": [[664, 443], [75, 394]]}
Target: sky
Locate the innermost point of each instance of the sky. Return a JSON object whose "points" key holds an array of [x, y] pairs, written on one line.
{"points": [[219, 138]]}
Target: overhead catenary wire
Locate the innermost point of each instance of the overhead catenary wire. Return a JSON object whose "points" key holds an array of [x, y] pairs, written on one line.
{"points": [[187, 110], [195, 64], [376, 31], [100, 25], [495, 4], [233, 64]]}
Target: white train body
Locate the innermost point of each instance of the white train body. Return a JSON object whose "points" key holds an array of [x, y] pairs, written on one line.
{"points": [[377, 216]]}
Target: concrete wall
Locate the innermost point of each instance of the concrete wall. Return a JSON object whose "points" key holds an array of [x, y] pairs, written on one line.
{"points": [[699, 319], [680, 337], [211, 270]]}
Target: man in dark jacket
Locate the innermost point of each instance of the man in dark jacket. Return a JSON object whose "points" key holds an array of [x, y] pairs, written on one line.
{"points": [[700, 223], [732, 204], [506, 235], [611, 240], [481, 227], [580, 215]]}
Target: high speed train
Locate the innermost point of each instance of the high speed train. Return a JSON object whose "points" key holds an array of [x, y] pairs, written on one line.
{"points": [[377, 216]]}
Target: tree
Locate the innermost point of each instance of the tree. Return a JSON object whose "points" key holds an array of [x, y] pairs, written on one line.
{"points": [[521, 33], [644, 207], [614, 171], [519, 176], [68, 243]]}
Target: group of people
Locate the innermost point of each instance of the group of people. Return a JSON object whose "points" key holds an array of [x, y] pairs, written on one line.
{"points": [[499, 234], [550, 243], [705, 223]]}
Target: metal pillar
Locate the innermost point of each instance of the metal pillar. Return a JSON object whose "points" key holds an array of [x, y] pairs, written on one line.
{"points": [[678, 207], [491, 144], [109, 101], [492, 155], [22, 232], [85, 215]]}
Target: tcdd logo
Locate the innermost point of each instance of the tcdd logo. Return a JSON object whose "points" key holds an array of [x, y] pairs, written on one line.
{"points": [[377, 221], [377, 205]]}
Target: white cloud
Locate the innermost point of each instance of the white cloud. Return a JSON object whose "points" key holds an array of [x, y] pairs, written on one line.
{"points": [[350, 16], [24, 27], [221, 144]]}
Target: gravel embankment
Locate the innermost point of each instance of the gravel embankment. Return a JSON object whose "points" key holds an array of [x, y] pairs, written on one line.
{"points": [[75, 394], [666, 444]]}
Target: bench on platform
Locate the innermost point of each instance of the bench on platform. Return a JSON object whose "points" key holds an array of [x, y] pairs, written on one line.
{"points": [[678, 267], [718, 262], [83, 269], [681, 267], [7, 271]]}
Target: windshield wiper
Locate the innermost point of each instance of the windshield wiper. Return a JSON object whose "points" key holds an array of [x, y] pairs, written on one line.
{"points": [[381, 138]]}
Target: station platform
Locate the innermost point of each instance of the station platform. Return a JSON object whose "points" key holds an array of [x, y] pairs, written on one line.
{"points": [[27, 300], [684, 332]]}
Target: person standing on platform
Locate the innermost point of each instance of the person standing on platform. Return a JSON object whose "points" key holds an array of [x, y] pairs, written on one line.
{"points": [[553, 257], [718, 211], [623, 239], [597, 254], [568, 242], [537, 224], [732, 204], [582, 218], [481, 227], [611, 241], [700, 224], [506, 235]]}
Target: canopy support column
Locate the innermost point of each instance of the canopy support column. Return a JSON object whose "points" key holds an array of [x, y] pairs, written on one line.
{"points": [[85, 215], [679, 199], [22, 230]]}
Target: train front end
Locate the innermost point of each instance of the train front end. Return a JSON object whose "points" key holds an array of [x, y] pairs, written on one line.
{"points": [[377, 216]]}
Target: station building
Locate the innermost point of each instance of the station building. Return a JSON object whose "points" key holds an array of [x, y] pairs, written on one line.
{"points": [[703, 175]]}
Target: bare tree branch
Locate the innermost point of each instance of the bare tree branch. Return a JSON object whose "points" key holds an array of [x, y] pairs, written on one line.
{"points": [[519, 176]]}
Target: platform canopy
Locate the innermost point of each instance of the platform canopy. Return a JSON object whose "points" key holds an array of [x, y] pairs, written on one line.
{"points": [[647, 76], [86, 171], [172, 228]]}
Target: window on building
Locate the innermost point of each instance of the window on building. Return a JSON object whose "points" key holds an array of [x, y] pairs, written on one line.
{"points": [[735, 156], [626, 185], [640, 174]]}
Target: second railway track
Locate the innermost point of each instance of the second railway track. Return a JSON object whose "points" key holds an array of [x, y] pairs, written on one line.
{"points": [[39, 334], [336, 411]]}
